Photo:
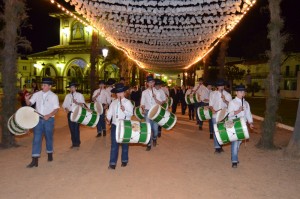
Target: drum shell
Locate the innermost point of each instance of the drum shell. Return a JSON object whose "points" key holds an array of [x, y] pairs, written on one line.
{"points": [[84, 116], [24, 119], [192, 98], [163, 117], [225, 135], [127, 133], [204, 113], [138, 112]]}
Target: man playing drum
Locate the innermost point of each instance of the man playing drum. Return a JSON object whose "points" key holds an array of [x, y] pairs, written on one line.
{"points": [[238, 108], [71, 100], [161, 97], [47, 105], [190, 106], [203, 92], [120, 109], [218, 100], [150, 98], [103, 97]]}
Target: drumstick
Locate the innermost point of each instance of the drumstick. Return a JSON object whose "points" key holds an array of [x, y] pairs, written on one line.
{"points": [[152, 91], [39, 113]]}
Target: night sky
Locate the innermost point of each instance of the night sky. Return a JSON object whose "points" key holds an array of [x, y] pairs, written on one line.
{"points": [[248, 39]]}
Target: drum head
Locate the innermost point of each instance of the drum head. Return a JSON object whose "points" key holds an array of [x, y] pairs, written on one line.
{"points": [[75, 113], [26, 118], [98, 108], [154, 111], [220, 115]]}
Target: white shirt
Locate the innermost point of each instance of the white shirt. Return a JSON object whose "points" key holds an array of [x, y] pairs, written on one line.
{"points": [[234, 105], [216, 101], [166, 90], [162, 96], [115, 112], [45, 102], [202, 91], [147, 98], [104, 97], [69, 100]]}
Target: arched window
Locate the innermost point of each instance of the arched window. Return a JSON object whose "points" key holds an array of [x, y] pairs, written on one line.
{"points": [[77, 32]]}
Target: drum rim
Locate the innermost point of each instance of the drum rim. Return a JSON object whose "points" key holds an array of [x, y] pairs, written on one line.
{"points": [[34, 117], [13, 132]]}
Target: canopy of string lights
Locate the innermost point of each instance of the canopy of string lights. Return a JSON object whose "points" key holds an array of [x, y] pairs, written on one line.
{"points": [[166, 34]]}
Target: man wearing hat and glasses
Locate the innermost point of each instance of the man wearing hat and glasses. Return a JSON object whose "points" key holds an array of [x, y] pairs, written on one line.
{"points": [[150, 97], [71, 100], [47, 105], [103, 97], [218, 100], [237, 108], [120, 109]]}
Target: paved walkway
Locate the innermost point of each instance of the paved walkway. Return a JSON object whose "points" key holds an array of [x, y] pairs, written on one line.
{"points": [[183, 165]]}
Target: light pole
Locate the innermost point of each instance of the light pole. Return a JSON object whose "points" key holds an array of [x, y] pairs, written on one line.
{"points": [[104, 53]]}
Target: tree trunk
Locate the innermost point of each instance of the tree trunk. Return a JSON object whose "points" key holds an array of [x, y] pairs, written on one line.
{"points": [[277, 44], [94, 60], [221, 57], [14, 10], [293, 148]]}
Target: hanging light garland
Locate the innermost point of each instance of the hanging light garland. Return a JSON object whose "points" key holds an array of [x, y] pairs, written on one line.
{"points": [[163, 34]]}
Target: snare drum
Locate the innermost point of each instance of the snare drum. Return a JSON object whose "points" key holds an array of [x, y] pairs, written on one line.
{"points": [[204, 113], [192, 98], [24, 119], [231, 130], [84, 116], [163, 117], [128, 131]]}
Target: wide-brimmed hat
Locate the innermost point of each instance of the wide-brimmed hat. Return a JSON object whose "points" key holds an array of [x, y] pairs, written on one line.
{"points": [[119, 87], [110, 81], [149, 78], [208, 82], [240, 87], [47, 80], [72, 84], [220, 82], [101, 81], [158, 82]]}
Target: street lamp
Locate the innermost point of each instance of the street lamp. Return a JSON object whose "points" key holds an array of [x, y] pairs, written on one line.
{"points": [[104, 52]]}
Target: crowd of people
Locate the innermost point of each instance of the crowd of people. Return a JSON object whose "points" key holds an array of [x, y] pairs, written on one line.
{"points": [[118, 101]]}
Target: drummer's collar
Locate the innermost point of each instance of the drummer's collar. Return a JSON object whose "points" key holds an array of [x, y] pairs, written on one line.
{"points": [[236, 97]]}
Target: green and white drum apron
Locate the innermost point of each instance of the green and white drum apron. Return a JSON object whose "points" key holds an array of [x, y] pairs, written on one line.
{"points": [[170, 101], [84, 116], [162, 116], [204, 113], [231, 130], [96, 106], [138, 112], [129, 131], [192, 98], [24, 119]]}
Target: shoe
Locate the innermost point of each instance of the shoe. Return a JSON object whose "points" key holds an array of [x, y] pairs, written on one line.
{"points": [[112, 167], [154, 142], [222, 150], [104, 132], [234, 165], [33, 163], [211, 136], [75, 145], [99, 135], [148, 148], [200, 128], [50, 157], [159, 135], [124, 164], [218, 150]]}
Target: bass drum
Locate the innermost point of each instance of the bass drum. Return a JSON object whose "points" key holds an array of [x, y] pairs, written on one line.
{"points": [[84, 116], [163, 117]]}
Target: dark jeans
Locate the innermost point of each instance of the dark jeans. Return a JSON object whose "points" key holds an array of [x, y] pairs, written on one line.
{"points": [[191, 111], [183, 107], [114, 150], [174, 106], [101, 126], [74, 130]]}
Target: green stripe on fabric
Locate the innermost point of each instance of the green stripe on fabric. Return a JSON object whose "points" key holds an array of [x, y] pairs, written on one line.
{"points": [[127, 131], [160, 115], [143, 133], [239, 129], [223, 132], [93, 119], [82, 115], [170, 121], [202, 115]]}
